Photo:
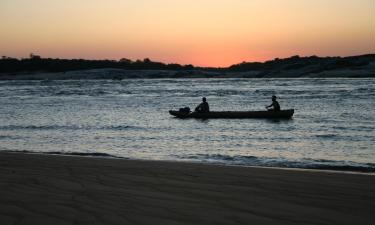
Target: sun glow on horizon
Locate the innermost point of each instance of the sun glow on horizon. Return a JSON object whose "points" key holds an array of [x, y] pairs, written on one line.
{"points": [[204, 33]]}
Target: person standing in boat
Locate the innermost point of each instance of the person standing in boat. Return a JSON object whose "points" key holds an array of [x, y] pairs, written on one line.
{"points": [[203, 107], [275, 105]]}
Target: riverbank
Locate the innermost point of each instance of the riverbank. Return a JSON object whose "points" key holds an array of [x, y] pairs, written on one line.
{"points": [[37, 68], [48, 189]]}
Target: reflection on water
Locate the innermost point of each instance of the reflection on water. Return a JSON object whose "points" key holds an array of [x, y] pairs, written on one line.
{"points": [[333, 125]]}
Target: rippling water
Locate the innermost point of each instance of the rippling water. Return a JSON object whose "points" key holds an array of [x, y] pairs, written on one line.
{"points": [[333, 126]]}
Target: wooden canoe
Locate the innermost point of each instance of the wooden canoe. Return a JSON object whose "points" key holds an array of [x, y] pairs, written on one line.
{"points": [[283, 114]]}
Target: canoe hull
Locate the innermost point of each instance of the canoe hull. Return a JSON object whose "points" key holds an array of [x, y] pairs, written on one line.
{"points": [[285, 114]]}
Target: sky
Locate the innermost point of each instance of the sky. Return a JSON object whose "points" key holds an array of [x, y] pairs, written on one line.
{"points": [[203, 33]]}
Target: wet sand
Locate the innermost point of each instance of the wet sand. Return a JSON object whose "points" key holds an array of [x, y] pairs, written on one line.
{"points": [[47, 189]]}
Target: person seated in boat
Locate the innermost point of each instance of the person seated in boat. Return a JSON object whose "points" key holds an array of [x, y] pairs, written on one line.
{"points": [[275, 106], [203, 107]]}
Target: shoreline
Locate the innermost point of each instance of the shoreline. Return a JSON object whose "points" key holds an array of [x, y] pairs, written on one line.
{"points": [[108, 156], [50, 189], [294, 66]]}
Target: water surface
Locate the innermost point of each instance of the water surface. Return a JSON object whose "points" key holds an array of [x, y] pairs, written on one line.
{"points": [[333, 126]]}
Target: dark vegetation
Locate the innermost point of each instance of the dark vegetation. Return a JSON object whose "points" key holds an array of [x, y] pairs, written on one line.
{"points": [[37, 63], [297, 62], [289, 67]]}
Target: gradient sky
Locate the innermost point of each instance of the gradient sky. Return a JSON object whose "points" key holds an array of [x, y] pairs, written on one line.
{"points": [[205, 32]]}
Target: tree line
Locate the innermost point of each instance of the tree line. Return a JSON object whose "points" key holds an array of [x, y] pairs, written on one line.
{"points": [[37, 63]]}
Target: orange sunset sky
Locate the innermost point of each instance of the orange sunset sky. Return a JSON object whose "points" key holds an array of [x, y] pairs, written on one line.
{"points": [[203, 33]]}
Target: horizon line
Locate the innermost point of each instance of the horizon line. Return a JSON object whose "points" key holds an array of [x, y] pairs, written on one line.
{"points": [[185, 64]]}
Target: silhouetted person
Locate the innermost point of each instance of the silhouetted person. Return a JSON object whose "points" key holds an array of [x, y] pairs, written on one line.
{"points": [[203, 107], [275, 105]]}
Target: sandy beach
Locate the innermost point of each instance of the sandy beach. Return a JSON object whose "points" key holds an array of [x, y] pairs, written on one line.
{"points": [[48, 189]]}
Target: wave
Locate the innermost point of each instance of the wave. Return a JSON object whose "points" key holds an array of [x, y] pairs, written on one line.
{"points": [[91, 93], [326, 135], [93, 154], [69, 127], [305, 163]]}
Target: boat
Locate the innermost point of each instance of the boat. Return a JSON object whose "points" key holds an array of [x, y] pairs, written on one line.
{"points": [[282, 114]]}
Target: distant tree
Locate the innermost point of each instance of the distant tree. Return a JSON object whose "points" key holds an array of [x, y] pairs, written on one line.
{"points": [[295, 57], [147, 60], [174, 66], [33, 56], [189, 67], [125, 60]]}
